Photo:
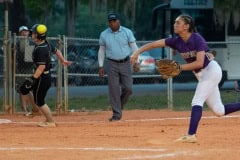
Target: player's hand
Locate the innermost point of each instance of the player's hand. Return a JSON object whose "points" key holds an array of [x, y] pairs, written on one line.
{"points": [[101, 71], [136, 67], [134, 58], [66, 63]]}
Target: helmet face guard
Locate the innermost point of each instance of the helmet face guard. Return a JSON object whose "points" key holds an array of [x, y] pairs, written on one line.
{"points": [[40, 30]]}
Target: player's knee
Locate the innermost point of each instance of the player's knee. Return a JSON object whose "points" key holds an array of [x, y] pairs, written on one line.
{"points": [[40, 103], [219, 112], [24, 90], [217, 108]]}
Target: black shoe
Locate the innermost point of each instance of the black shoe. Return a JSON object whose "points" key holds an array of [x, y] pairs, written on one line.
{"points": [[114, 119]]}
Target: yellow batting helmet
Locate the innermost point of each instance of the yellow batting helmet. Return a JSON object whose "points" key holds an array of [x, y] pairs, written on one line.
{"points": [[40, 29]]}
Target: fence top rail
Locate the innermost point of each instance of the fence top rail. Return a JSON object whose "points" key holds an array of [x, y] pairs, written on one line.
{"points": [[219, 42], [83, 39], [141, 42], [226, 42]]}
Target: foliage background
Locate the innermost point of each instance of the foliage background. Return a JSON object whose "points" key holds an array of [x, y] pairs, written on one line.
{"points": [[87, 18]]}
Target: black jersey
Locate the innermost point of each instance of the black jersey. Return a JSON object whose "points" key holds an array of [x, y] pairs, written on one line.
{"points": [[42, 55]]}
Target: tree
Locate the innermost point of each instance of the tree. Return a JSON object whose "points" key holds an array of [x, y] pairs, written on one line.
{"points": [[71, 11], [16, 9], [143, 24], [38, 11]]}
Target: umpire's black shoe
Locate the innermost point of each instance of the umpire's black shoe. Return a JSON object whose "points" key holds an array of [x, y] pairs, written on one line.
{"points": [[113, 118]]}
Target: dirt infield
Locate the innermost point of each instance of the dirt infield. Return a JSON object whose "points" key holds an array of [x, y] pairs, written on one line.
{"points": [[141, 135]]}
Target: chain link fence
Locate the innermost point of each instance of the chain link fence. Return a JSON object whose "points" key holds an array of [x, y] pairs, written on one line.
{"points": [[81, 78]]}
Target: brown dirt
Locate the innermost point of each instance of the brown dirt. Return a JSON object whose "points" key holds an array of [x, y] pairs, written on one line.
{"points": [[140, 135]]}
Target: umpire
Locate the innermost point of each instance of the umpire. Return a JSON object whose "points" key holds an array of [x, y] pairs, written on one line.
{"points": [[40, 82], [117, 43]]}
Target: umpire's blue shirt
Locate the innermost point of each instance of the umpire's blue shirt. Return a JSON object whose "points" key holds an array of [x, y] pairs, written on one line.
{"points": [[117, 43]]}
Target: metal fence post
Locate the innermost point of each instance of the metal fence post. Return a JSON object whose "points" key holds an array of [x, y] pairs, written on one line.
{"points": [[14, 55], [65, 77], [10, 74], [59, 80], [170, 84], [5, 75]]}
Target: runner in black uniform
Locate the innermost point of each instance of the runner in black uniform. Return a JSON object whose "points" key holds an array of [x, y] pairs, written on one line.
{"points": [[40, 82]]}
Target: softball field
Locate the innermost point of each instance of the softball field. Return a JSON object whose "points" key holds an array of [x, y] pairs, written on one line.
{"points": [[140, 135]]}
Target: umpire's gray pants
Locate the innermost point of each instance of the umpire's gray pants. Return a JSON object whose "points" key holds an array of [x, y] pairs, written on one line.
{"points": [[119, 85]]}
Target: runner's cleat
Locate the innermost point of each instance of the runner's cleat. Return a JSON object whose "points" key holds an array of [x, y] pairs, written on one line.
{"points": [[28, 114], [47, 124]]}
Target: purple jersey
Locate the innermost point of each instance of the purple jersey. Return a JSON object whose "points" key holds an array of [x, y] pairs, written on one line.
{"points": [[189, 49]]}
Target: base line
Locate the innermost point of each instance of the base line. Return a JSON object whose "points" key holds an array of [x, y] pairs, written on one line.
{"points": [[129, 120], [83, 149], [182, 118]]}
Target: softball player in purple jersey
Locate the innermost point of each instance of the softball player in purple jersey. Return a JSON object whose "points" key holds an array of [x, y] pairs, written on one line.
{"points": [[194, 50]]}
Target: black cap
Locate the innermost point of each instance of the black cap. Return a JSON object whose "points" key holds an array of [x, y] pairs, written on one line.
{"points": [[112, 16]]}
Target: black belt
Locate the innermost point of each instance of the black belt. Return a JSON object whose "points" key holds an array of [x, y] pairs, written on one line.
{"points": [[119, 60]]}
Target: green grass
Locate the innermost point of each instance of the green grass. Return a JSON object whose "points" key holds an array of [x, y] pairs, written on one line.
{"points": [[181, 101]]}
